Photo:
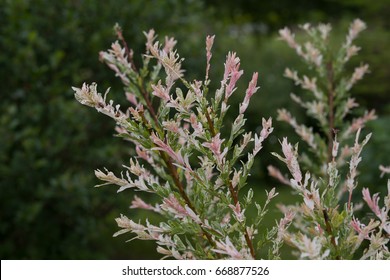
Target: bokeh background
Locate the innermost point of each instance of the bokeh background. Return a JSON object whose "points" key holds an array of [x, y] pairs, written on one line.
{"points": [[50, 144]]}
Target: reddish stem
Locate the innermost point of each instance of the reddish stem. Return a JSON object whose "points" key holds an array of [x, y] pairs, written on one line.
{"points": [[330, 76]]}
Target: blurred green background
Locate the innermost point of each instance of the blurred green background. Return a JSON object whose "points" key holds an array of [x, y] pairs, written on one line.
{"points": [[50, 144]]}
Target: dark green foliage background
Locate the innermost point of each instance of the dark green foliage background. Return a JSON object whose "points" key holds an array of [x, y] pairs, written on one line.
{"points": [[50, 145]]}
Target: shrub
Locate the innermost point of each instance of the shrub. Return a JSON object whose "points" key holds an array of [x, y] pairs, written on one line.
{"points": [[45, 169], [325, 223], [197, 164], [192, 158]]}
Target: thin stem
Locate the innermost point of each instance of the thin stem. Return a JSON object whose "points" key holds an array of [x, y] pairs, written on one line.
{"points": [[329, 230], [210, 123], [167, 160], [148, 103], [331, 93], [349, 200], [233, 192], [169, 164], [140, 84], [180, 187], [127, 50], [248, 240]]}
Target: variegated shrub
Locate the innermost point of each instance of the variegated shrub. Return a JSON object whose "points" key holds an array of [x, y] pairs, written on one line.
{"points": [[195, 163], [325, 226], [185, 154]]}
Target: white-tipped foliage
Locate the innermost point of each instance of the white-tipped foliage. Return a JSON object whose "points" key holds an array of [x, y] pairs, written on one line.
{"points": [[325, 226], [182, 154], [196, 164]]}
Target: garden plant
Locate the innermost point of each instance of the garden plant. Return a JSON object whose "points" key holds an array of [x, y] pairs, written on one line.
{"points": [[194, 165]]}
